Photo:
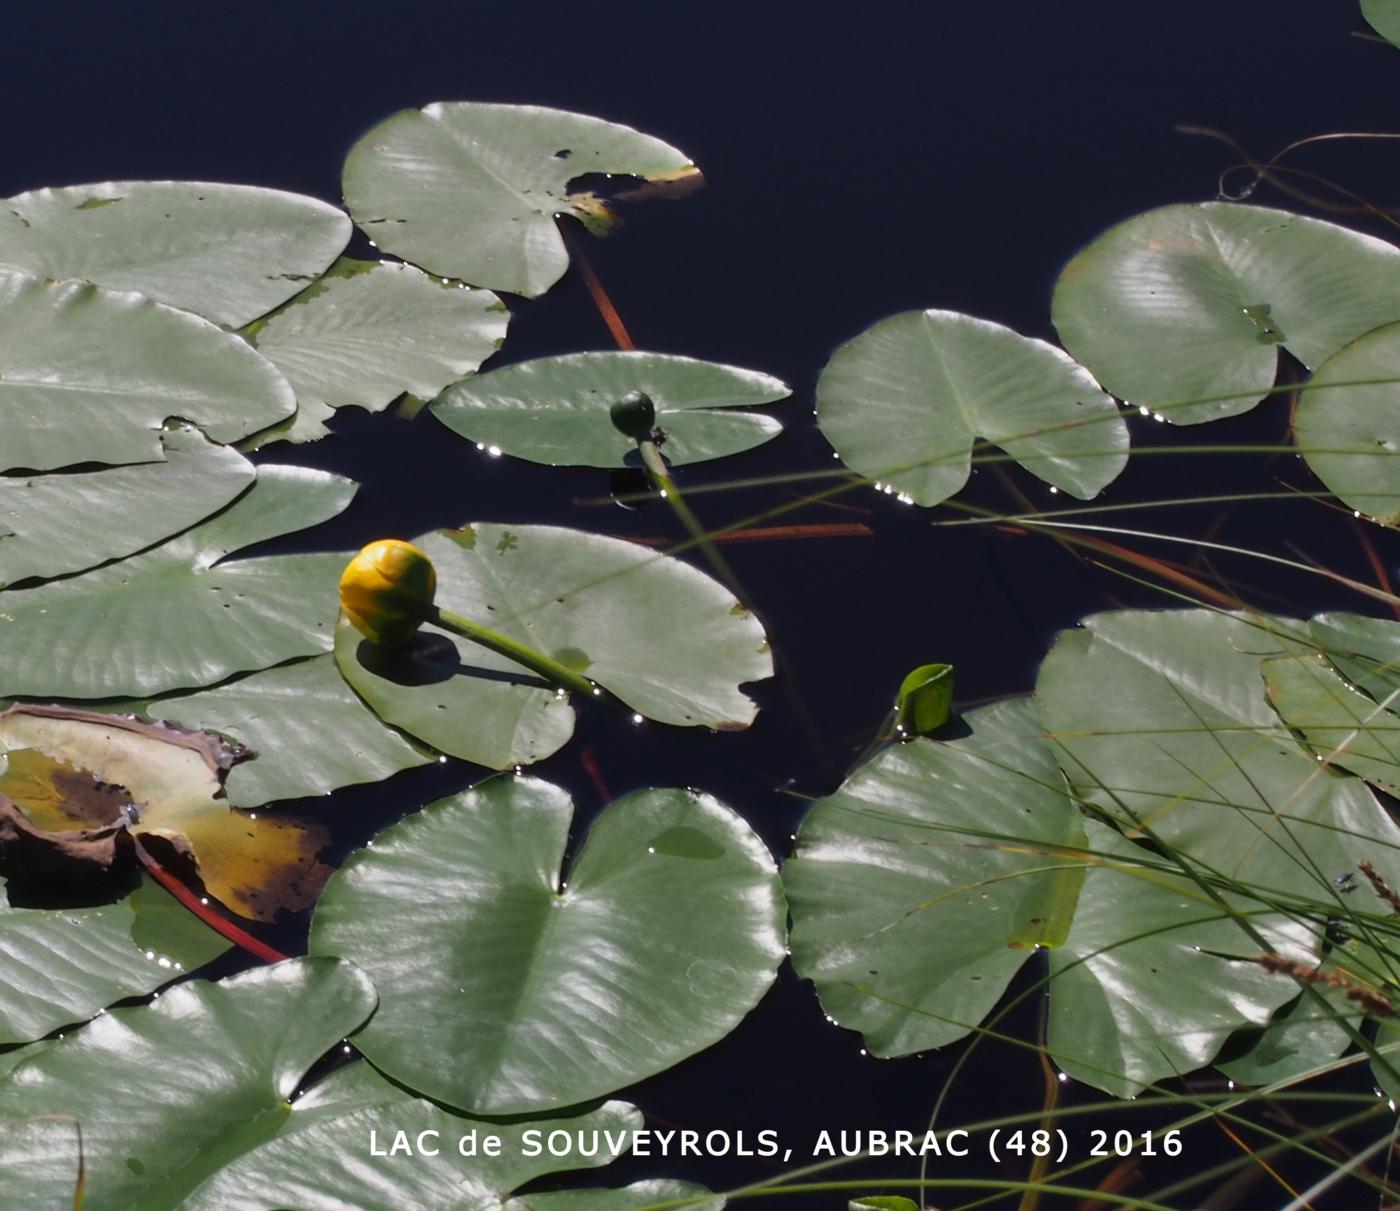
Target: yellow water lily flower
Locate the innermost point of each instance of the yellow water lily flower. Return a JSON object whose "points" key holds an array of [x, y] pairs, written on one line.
{"points": [[387, 590]]}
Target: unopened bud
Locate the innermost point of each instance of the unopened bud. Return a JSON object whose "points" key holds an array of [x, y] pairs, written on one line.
{"points": [[634, 415], [387, 591]]}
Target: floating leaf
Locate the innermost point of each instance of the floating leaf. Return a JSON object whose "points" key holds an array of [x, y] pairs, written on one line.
{"points": [[54, 525], [307, 732], [64, 964], [892, 1202], [82, 777], [1303, 1037], [1149, 983], [459, 698], [1188, 752], [1383, 1067], [921, 887], [1340, 724], [1186, 748], [538, 992], [92, 375], [639, 1196], [666, 639], [1383, 17], [1346, 423], [1183, 309], [250, 1039], [470, 190], [367, 332], [227, 252], [556, 410], [923, 884], [176, 616], [1366, 650], [904, 402], [309, 423], [321, 1159]]}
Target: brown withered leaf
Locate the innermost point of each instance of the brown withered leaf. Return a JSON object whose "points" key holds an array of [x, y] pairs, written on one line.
{"points": [[43, 858], [75, 784], [666, 186], [600, 213]]}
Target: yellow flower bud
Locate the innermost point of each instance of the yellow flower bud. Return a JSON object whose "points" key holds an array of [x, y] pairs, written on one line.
{"points": [[387, 590]]}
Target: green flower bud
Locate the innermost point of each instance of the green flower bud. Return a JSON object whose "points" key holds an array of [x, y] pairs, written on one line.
{"points": [[634, 416]]}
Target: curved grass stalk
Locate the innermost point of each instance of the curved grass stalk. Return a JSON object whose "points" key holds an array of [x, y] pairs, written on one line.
{"points": [[1128, 506], [1000, 1186], [1321, 1187], [1275, 1148], [1299, 908], [661, 480], [1239, 917], [1224, 880], [1221, 881], [1267, 171], [1226, 548], [1205, 1103], [988, 453], [1175, 859]]}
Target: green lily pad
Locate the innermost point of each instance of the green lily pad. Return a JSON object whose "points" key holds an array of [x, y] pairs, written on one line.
{"points": [[555, 410], [62, 965], [636, 1197], [227, 252], [662, 636], [54, 525], [1346, 427], [92, 375], [1383, 1068], [457, 697], [323, 1158], [177, 615], [923, 884], [308, 731], [369, 331], [1183, 309], [1343, 726], [471, 190], [1366, 650], [904, 402], [1302, 1038], [1383, 17], [1187, 749], [1149, 983], [537, 992], [921, 887], [150, 1133]]}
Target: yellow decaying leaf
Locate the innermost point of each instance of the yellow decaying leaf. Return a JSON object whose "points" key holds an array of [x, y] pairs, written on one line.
{"points": [[78, 770]]}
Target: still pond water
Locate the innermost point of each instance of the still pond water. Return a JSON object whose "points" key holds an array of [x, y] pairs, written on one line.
{"points": [[861, 160]]}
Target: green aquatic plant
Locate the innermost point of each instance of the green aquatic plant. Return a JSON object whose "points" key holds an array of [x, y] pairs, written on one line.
{"points": [[1183, 834]]}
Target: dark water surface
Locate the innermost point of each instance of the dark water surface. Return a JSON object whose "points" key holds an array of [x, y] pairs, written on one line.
{"points": [[861, 159]]}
